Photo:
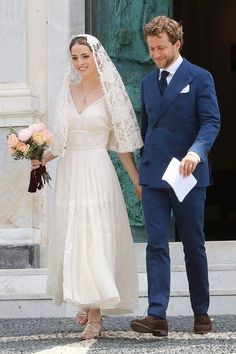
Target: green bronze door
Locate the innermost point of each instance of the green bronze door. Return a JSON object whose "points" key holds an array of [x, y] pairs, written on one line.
{"points": [[118, 25]]}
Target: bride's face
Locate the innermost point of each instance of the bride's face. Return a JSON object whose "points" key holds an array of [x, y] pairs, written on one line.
{"points": [[83, 60]]}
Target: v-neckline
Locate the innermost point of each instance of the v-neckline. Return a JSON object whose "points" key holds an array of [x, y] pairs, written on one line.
{"points": [[90, 104]]}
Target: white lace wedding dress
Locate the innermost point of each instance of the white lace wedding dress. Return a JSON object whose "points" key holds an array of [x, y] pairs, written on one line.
{"points": [[91, 255]]}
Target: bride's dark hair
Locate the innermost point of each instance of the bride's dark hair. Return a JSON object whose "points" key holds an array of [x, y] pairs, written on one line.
{"points": [[79, 40]]}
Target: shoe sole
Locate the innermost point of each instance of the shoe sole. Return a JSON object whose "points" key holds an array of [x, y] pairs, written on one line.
{"points": [[202, 332], [138, 327]]}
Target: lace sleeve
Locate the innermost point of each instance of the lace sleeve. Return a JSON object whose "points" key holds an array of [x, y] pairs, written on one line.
{"points": [[125, 135]]}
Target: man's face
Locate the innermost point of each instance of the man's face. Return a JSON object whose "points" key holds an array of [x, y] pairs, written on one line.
{"points": [[162, 51]]}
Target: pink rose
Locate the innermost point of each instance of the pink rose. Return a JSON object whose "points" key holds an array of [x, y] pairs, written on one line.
{"points": [[24, 134], [12, 140], [37, 127], [22, 147]]}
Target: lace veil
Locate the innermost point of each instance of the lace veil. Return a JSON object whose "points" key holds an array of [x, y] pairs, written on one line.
{"points": [[125, 135]]}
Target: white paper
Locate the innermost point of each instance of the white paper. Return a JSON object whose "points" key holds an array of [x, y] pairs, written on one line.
{"points": [[181, 185]]}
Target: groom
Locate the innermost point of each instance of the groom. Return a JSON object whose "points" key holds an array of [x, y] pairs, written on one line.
{"points": [[180, 118]]}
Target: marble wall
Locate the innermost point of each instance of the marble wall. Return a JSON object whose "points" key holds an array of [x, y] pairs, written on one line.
{"points": [[34, 38], [23, 101], [12, 40], [20, 105]]}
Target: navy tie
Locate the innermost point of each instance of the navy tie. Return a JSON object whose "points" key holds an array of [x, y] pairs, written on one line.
{"points": [[163, 81]]}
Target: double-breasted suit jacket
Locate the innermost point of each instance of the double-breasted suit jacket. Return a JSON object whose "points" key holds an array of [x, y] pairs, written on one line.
{"points": [[185, 118]]}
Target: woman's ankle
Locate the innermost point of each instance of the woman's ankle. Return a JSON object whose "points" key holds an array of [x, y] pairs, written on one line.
{"points": [[94, 315]]}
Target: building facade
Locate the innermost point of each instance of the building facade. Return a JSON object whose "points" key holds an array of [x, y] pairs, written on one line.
{"points": [[34, 38]]}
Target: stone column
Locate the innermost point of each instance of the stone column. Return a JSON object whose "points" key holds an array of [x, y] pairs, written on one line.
{"points": [[34, 38], [23, 82]]}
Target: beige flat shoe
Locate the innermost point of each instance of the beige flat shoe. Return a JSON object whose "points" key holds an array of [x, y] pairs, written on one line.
{"points": [[92, 330]]}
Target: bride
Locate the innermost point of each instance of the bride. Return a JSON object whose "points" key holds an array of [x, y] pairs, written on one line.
{"points": [[91, 256]]}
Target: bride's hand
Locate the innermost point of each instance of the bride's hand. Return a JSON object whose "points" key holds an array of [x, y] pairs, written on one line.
{"points": [[35, 164], [138, 192]]}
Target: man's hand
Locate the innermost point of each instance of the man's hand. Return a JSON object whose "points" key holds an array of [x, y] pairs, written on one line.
{"points": [[188, 165]]}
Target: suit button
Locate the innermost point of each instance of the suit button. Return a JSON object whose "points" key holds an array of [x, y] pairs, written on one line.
{"points": [[173, 129], [173, 145]]}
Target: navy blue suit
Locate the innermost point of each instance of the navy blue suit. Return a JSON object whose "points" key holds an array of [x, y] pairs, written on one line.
{"points": [[173, 124]]}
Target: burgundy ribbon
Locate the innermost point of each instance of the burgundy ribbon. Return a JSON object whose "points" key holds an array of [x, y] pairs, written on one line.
{"points": [[36, 179]]}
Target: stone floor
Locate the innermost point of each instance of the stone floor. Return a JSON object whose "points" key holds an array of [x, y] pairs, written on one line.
{"points": [[60, 336]]}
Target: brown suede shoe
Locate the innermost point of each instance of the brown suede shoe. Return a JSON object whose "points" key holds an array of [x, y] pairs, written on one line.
{"points": [[150, 324], [202, 324]]}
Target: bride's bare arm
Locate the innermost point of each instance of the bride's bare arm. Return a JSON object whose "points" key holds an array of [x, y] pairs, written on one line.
{"points": [[128, 163], [46, 158]]}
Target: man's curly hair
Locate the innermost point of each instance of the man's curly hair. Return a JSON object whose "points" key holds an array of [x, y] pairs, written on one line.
{"points": [[161, 24]]}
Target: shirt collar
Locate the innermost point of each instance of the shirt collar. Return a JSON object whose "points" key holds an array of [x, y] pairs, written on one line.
{"points": [[174, 66]]}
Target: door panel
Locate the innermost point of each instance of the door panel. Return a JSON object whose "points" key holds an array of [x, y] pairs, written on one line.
{"points": [[118, 25]]}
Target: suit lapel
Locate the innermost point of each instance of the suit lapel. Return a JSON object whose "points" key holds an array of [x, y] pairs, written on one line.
{"points": [[181, 78], [155, 93]]}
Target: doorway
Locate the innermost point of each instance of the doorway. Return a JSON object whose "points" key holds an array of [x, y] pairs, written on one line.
{"points": [[118, 25], [210, 41]]}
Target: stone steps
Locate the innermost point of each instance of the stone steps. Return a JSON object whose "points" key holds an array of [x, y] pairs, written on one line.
{"points": [[23, 291], [23, 294]]}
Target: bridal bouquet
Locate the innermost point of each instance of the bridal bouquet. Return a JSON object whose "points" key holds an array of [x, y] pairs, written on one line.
{"points": [[30, 143]]}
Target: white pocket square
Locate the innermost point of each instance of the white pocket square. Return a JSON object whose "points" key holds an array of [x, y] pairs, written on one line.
{"points": [[185, 89]]}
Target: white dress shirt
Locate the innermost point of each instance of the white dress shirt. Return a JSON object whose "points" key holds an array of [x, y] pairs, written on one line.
{"points": [[172, 69]]}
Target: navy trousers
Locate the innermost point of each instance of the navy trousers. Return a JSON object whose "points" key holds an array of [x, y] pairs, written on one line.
{"points": [[189, 216]]}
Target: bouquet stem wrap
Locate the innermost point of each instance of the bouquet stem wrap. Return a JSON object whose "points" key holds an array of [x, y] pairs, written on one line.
{"points": [[38, 178]]}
